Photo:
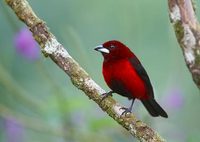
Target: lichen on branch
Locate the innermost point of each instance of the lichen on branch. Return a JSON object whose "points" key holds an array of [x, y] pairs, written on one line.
{"points": [[187, 29], [53, 49]]}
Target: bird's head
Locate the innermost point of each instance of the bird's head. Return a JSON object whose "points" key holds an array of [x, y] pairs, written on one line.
{"points": [[113, 50]]}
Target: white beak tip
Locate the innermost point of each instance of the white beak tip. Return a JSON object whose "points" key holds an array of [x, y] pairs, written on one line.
{"points": [[102, 49]]}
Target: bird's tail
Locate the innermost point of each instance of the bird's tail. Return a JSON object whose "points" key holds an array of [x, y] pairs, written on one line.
{"points": [[154, 108]]}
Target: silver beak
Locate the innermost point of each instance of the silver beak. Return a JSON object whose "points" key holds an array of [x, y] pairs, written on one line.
{"points": [[102, 49]]}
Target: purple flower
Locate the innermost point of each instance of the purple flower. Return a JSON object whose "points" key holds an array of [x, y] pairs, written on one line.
{"points": [[26, 45], [14, 131], [174, 98]]}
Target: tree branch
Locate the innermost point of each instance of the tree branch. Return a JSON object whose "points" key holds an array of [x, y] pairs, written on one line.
{"points": [[187, 31], [52, 48]]}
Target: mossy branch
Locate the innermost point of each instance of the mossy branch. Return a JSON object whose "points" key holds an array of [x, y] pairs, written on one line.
{"points": [[52, 48], [187, 29]]}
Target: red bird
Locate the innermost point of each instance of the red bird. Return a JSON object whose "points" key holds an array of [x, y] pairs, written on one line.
{"points": [[125, 75]]}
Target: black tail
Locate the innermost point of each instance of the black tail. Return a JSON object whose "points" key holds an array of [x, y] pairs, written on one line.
{"points": [[154, 108]]}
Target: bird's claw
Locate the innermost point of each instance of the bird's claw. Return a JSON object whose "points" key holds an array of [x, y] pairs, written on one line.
{"points": [[105, 95], [126, 110]]}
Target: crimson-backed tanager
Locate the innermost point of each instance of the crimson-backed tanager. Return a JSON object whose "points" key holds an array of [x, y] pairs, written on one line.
{"points": [[125, 75]]}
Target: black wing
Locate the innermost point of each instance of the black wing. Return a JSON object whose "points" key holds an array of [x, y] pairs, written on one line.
{"points": [[119, 88], [142, 73]]}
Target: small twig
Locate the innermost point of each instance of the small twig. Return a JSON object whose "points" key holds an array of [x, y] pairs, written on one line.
{"points": [[52, 48], [187, 31]]}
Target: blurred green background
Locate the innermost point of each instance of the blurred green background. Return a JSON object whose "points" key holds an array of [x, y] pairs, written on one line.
{"points": [[39, 103]]}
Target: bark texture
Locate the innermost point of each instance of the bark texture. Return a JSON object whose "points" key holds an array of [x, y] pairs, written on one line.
{"points": [[53, 49], [187, 29]]}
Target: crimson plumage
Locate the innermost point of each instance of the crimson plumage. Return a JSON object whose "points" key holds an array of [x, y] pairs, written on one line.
{"points": [[125, 75]]}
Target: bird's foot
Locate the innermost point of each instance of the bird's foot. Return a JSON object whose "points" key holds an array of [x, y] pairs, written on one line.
{"points": [[105, 95], [126, 110]]}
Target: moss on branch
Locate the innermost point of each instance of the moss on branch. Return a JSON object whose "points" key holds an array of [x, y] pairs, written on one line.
{"points": [[187, 29], [52, 48]]}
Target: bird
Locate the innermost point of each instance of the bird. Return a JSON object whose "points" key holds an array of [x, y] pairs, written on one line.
{"points": [[125, 75]]}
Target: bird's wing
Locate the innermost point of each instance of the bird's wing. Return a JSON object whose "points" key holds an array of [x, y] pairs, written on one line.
{"points": [[142, 73], [120, 88]]}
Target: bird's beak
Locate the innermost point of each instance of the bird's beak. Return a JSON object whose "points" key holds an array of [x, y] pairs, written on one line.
{"points": [[102, 49]]}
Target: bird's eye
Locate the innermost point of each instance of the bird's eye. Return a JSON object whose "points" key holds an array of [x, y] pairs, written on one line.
{"points": [[112, 46]]}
